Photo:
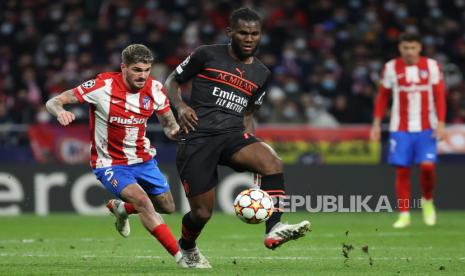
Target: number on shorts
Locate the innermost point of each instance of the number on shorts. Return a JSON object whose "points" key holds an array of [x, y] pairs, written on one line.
{"points": [[393, 144], [109, 173]]}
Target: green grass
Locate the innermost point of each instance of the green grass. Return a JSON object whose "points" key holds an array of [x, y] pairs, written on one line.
{"points": [[75, 245]]}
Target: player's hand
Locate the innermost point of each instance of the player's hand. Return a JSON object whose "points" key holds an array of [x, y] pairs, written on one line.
{"points": [[440, 131], [187, 118], [65, 117], [172, 131], [375, 133]]}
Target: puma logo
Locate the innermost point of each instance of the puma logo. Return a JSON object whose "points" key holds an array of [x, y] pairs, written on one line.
{"points": [[241, 73]]}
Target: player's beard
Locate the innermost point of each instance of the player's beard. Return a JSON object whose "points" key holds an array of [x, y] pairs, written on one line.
{"points": [[133, 83], [239, 53]]}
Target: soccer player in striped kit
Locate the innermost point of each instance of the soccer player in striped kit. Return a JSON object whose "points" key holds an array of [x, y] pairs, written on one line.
{"points": [[121, 155], [416, 86]]}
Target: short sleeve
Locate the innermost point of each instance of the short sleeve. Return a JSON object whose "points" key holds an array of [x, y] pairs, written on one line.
{"points": [[88, 91], [386, 76], [161, 103], [257, 99], [192, 65], [435, 71]]}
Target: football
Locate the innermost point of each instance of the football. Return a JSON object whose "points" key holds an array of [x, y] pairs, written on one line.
{"points": [[253, 206]]}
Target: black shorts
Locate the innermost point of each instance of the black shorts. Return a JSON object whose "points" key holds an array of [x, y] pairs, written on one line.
{"points": [[197, 159]]}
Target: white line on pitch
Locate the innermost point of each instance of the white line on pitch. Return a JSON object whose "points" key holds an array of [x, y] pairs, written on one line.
{"points": [[243, 257]]}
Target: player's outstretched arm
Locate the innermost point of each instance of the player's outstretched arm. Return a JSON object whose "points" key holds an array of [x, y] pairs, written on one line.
{"points": [[55, 107], [168, 122], [186, 115]]}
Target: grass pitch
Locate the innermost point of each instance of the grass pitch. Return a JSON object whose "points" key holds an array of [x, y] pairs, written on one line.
{"points": [[340, 244]]}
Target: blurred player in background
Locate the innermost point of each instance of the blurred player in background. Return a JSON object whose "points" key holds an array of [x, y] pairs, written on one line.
{"points": [[121, 156], [416, 86], [217, 129]]}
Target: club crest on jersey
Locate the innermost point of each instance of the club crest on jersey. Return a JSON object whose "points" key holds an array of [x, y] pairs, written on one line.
{"points": [[146, 102], [423, 74], [88, 84]]}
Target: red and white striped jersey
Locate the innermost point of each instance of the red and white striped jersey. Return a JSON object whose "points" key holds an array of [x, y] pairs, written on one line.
{"points": [[418, 97], [118, 118]]}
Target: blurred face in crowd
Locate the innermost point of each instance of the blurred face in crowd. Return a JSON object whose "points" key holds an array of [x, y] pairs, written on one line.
{"points": [[410, 51], [245, 37], [135, 75]]}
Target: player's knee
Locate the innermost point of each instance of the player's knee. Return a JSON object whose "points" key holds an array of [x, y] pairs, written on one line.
{"points": [[202, 214], [272, 165], [403, 172], [167, 208], [427, 170], [141, 202], [427, 167]]}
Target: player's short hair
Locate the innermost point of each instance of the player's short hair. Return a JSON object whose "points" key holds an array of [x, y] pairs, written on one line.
{"points": [[136, 53], [245, 14], [410, 37]]}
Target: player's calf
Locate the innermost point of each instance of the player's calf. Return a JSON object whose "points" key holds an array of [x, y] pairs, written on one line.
{"points": [[151, 220], [163, 203], [201, 215], [147, 214], [274, 186], [165, 209], [192, 226]]}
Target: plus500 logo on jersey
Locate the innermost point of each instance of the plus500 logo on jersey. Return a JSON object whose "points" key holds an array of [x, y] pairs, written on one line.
{"points": [[128, 121]]}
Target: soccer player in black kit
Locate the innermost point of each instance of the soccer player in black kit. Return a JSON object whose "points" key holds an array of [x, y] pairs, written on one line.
{"points": [[217, 129]]}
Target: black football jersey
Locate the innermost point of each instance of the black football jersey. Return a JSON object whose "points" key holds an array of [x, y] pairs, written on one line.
{"points": [[223, 88]]}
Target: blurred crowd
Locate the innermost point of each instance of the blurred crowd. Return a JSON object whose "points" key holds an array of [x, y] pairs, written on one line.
{"points": [[325, 55]]}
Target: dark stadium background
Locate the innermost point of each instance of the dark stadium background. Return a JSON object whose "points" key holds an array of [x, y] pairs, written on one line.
{"points": [[326, 57]]}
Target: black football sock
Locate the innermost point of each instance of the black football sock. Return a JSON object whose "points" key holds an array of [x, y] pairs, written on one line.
{"points": [[190, 231], [274, 186]]}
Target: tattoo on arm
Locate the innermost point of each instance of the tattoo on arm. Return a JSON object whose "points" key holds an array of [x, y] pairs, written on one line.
{"points": [[55, 104], [166, 119]]}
